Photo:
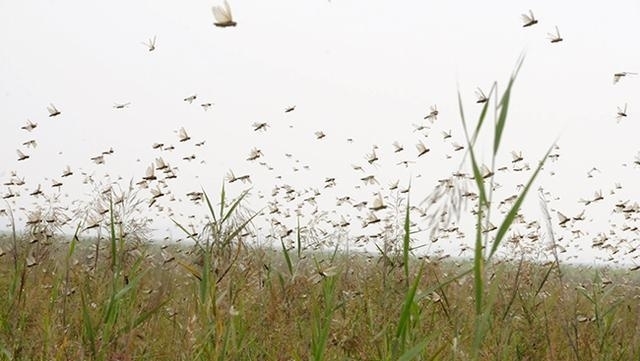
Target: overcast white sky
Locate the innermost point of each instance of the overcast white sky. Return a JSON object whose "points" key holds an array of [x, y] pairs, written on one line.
{"points": [[354, 69]]}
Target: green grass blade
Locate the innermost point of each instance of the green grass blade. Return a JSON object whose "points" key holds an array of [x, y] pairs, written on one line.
{"points": [[299, 239], [287, 257], [210, 206], [233, 206], [406, 242], [477, 175], [405, 315], [222, 201], [89, 331], [513, 212], [112, 230], [504, 108], [478, 264]]}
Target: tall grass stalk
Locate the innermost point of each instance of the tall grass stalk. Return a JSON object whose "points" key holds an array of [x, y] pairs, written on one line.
{"points": [[217, 255], [486, 248]]}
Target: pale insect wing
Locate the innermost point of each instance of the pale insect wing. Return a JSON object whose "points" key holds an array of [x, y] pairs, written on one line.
{"points": [[562, 218], [616, 78], [150, 170], [377, 202], [218, 14], [228, 10]]}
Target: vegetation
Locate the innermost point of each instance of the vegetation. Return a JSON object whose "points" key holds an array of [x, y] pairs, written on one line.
{"points": [[223, 297]]}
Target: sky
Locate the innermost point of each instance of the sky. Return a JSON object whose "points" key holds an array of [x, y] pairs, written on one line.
{"points": [[364, 73]]}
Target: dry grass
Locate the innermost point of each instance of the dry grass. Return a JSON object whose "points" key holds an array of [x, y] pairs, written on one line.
{"points": [[260, 311]]}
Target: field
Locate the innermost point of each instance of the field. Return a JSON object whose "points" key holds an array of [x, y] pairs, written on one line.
{"points": [[115, 300], [218, 295]]}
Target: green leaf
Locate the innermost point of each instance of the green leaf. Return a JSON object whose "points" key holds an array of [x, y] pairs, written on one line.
{"points": [[513, 212]]}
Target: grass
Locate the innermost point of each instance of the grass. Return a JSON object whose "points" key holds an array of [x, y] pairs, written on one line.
{"points": [[221, 297], [150, 310]]}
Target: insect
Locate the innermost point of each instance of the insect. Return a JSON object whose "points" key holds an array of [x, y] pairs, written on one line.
{"points": [[516, 156], [156, 193], [370, 179], [488, 228], [422, 149], [622, 112], [37, 191], [31, 261], [457, 147], [151, 44], [290, 109], [21, 156], [398, 147], [161, 165], [53, 111], [259, 126], [371, 219], [529, 20], [371, 157], [254, 154], [150, 173], [562, 219], [29, 126], [223, 16], [579, 217], [98, 159], [555, 38], [30, 143], [191, 98], [206, 106], [182, 135], [232, 178], [620, 75], [343, 222], [485, 172], [597, 196], [121, 106], [481, 98], [67, 172], [405, 163], [320, 134], [433, 114]]}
